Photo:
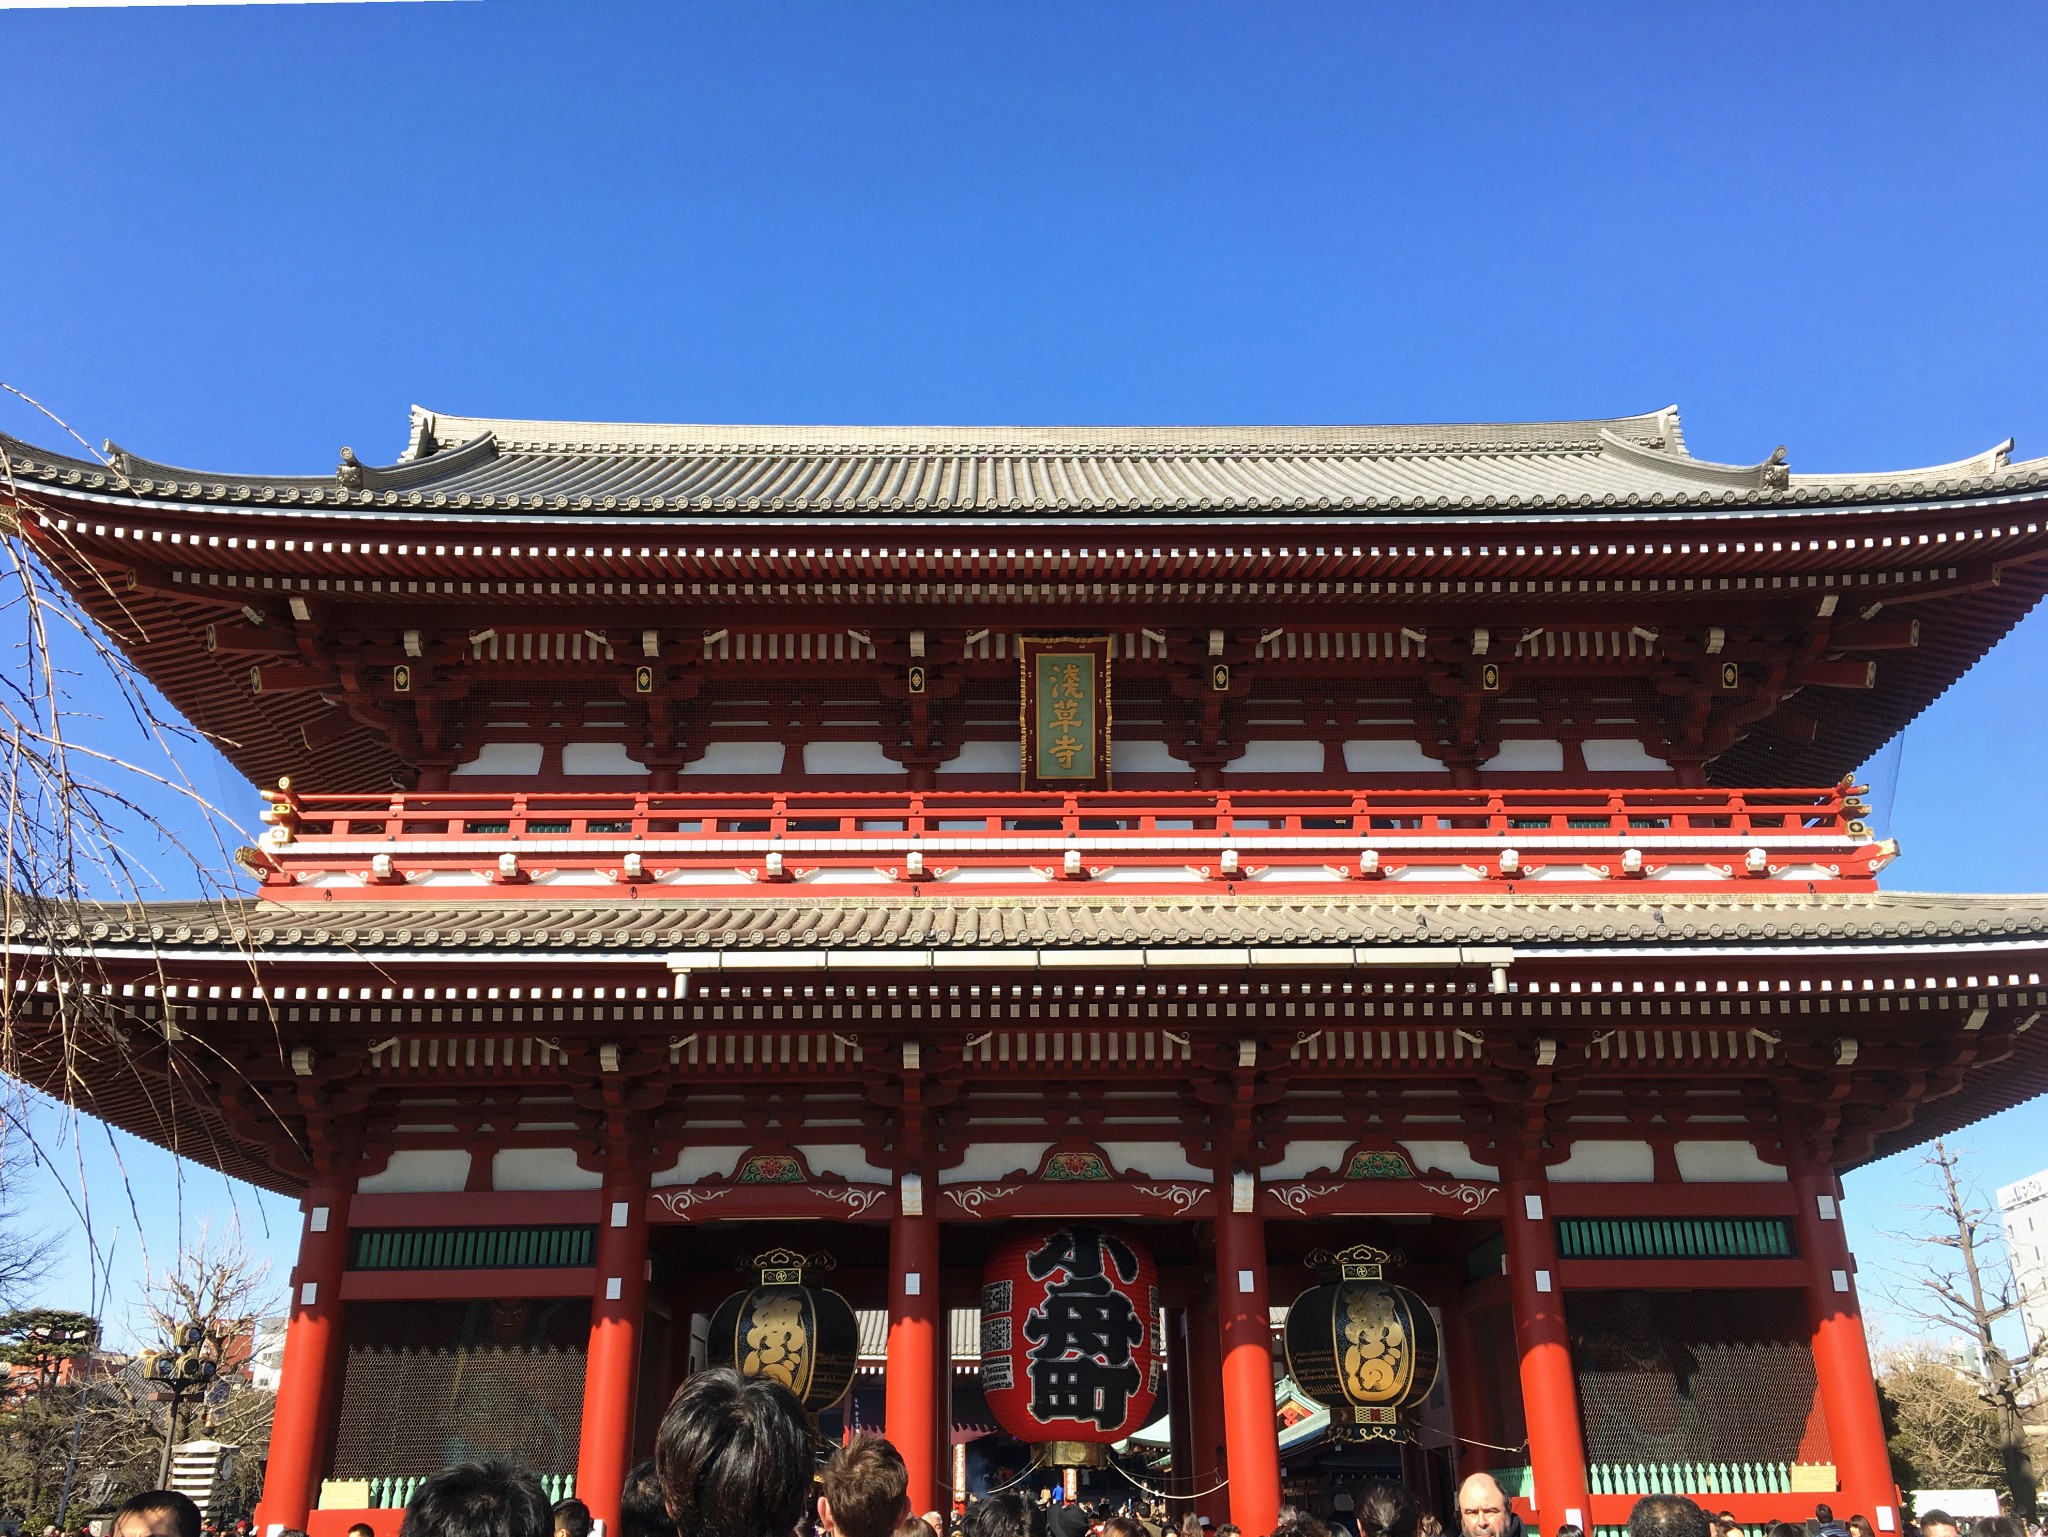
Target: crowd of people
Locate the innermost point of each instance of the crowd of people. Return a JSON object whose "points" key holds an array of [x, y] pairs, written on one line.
{"points": [[735, 1457]]}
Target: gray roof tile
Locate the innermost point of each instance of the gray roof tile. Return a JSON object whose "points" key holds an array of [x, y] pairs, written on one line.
{"points": [[491, 463]]}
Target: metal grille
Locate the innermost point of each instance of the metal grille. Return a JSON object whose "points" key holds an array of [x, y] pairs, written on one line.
{"points": [[1657, 1238], [1719, 1376], [428, 1384], [470, 1248]]}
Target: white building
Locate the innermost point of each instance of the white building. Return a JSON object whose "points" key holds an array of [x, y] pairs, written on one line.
{"points": [[2024, 1206]]}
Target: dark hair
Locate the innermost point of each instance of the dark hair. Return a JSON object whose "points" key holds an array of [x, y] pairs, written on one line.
{"points": [[1295, 1522], [914, 1526], [155, 1502], [2000, 1526], [486, 1498], [361, 1526], [1667, 1515], [572, 1518], [641, 1511], [1384, 1508], [734, 1456], [1788, 1529], [865, 1487], [1569, 1530], [1823, 1514], [1938, 1518], [1003, 1515]]}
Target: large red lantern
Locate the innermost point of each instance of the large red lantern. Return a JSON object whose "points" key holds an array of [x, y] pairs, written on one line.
{"points": [[1069, 1354]]}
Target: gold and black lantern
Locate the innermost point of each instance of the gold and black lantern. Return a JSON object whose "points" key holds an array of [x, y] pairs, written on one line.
{"points": [[802, 1336], [1366, 1348]]}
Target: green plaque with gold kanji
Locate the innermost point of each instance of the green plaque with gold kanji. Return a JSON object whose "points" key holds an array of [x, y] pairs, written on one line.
{"points": [[1066, 713]]}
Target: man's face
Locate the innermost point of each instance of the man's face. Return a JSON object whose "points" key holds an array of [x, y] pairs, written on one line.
{"points": [[1482, 1512], [1938, 1529], [156, 1523]]}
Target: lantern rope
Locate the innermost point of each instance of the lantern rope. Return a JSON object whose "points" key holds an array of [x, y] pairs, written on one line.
{"points": [[1160, 1494], [1037, 1462]]}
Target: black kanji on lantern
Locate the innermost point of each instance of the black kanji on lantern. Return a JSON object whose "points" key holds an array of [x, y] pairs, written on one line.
{"points": [[1083, 1332]]}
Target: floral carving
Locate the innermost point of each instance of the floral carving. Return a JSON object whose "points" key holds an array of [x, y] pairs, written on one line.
{"points": [[972, 1198], [1471, 1197], [857, 1199], [679, 1203], [1182, 1198], [1297, 1196]]}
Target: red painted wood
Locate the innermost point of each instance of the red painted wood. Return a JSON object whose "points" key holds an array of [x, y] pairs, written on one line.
{"points": [[474, 1208], [1460, 837], [1682, 1274], [1557, 1447], [462, 1285], [1841, 1353], [309, 1378], [916, 1342], [610, 1379], [1205, 1410], [1673, 1200], [1251, 1436], [335, 1523]]}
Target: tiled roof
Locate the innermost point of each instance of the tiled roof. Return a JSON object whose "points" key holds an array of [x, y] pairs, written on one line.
{"points": [[1640, 917], [463, 463]]}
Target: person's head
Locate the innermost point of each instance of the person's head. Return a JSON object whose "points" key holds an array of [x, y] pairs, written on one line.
{"points": [[1939, 1523], [1788, 1529], [915, 1526], [1229, 1529], [2001, 1526], [641, 1511], [1860, 1525], [1122, 1526], [1295, 1522], [362, 1529], [865, 1487], [734, 1456], [1823, 1514], [1569, 1530], [1482, 1508], [1004, 1515], [487, 1498], [1666, 1515], [572, 1519], [157, 1513], [1386, 1509]]}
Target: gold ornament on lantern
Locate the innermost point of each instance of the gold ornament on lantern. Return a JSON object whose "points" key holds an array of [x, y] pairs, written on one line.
{"points": [[1361, 1345], [803, 1337]]}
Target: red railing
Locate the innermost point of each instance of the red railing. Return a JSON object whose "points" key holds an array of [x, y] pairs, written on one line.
{"points": [[1454, 836]]}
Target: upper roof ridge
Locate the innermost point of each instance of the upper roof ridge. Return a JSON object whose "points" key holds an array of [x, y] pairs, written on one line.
{"points": [[432, 430]]}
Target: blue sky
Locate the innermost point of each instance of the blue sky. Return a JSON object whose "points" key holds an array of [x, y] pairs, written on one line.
{"points": [[238, 238]]}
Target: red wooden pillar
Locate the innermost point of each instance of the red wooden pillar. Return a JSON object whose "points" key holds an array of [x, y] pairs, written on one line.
{"points": [[1180, 1420], [1471, 1410], [1205, 1412], [1550, 1396], [610, 1378], [309, 1380], [1841, 1354], [909, 1400], [1251, 1435]]}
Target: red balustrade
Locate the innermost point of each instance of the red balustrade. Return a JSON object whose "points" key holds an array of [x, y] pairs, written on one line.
{"points": [[424, 843]]}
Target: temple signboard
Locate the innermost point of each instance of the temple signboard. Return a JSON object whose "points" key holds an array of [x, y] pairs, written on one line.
{"points": [[1065, 712]]}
